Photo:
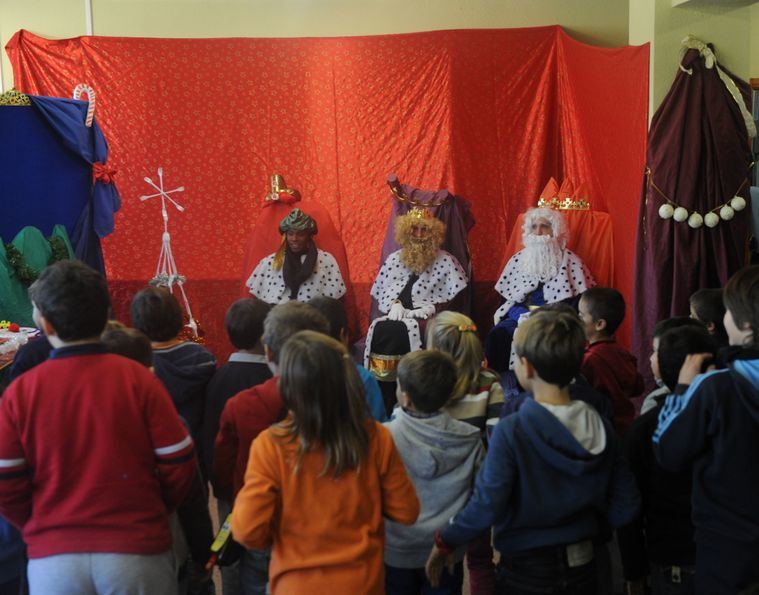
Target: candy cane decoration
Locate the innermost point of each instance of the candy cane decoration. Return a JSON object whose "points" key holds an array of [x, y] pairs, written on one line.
{"points": [[82, 88]]}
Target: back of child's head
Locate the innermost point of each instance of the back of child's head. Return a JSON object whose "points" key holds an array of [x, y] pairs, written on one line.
{"points": [[554, 344], [558, 307], [668, 324], [708, 306], [157, 313], [245, 322], [428, 378], [456, 334], [334, 311], [284, 320], [605, 303], [130, 343], [676, 344], [320, 385], [742, 300], [73, 298]]}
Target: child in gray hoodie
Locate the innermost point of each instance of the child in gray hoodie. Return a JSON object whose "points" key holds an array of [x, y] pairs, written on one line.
{"points": [[441, 455]]}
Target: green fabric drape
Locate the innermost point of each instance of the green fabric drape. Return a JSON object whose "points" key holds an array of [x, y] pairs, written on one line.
{"points": [[35, 248]]}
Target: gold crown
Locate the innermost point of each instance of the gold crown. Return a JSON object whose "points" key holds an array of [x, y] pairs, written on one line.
{"points": [[564, 204], [278, 186], [417, 213], [13, 97]]}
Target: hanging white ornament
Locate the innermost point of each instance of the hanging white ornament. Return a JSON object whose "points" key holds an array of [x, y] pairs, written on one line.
{"points": [[738, 203], [726, 213], [167, 274], [711, 220], [680, 214], [666, 211], [695, 220]]}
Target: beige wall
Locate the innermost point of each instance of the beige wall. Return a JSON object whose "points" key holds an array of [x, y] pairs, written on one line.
{"points": [[62, 18], [728, 28], [754, 64], [734, 31], [599, 22]]}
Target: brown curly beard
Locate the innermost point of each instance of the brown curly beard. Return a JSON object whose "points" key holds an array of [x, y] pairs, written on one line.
{"points": [[417, 255]]}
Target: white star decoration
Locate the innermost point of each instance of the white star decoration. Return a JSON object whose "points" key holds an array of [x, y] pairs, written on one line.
{"points": [[166, 274]]}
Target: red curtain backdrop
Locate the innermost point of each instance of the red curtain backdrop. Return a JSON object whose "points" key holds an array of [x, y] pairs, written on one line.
{"points": [[489, 114]]}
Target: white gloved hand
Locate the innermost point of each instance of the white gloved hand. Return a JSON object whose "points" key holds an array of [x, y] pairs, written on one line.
{"points": [[397, 311], [424, 312]]}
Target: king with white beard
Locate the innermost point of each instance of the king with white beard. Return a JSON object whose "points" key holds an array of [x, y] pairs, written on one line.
{"points": [[542, 273]]}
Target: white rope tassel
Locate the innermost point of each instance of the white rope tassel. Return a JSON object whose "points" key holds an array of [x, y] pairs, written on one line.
{"points": [[710, 61], [166, 272]]}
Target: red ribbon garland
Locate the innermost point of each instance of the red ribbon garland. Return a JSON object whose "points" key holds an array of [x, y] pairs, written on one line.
{"points": [[102, 173]]}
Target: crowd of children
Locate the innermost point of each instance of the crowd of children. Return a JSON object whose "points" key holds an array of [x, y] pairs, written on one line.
{"points": [[109, 437]]}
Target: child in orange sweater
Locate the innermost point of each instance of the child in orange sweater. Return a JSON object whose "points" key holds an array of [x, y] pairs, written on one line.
{"points": [[318, 484]]}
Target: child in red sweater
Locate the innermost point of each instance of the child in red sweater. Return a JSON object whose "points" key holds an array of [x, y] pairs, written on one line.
{"points": [[608, 367], [319, 483], [92, 452]]}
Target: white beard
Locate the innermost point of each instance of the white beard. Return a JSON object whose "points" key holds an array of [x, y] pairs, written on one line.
{"points": [[542, 257]]}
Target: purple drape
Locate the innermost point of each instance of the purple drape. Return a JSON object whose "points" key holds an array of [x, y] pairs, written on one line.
{"points": [[699, 156]]}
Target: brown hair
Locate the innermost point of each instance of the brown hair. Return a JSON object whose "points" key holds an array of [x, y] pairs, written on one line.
{"points": [[320, 385], [245, 322], [605, 303], [284, 320], [554, 343], [73, 298], [742, 299], [128, 342], [455, 334], [428, 377], [157, 313]]}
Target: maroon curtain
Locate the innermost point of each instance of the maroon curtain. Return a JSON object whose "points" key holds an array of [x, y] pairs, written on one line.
{"points": [[698, 156]]}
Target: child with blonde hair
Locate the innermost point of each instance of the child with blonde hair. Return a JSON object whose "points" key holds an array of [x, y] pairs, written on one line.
{"points": [[477, 396], [477, 399], [319, 483]]}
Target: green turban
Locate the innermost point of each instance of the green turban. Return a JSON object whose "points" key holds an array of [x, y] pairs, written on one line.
{"points": [[297, 220]]}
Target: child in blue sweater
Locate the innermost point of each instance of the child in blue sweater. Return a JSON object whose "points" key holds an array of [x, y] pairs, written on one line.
{"points": [[552, 477]]}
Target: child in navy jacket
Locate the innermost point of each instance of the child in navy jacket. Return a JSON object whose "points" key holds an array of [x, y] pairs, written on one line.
{"points": [[659, 543], [711, 424], [552, 477]]}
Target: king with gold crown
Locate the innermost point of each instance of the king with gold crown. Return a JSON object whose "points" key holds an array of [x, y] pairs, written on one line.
{"points": [[413, 284], [545, 271]]}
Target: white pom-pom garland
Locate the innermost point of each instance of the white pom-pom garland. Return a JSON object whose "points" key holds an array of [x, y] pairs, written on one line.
{"points": [[680, 214], [738, 203], [711, 220], [726, 213], [669, 209], [695, 220]]}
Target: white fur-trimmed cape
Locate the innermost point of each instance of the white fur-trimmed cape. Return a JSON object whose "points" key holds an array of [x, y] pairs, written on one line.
{"points": [[440, 283], [514, 285], [269, 285]]}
